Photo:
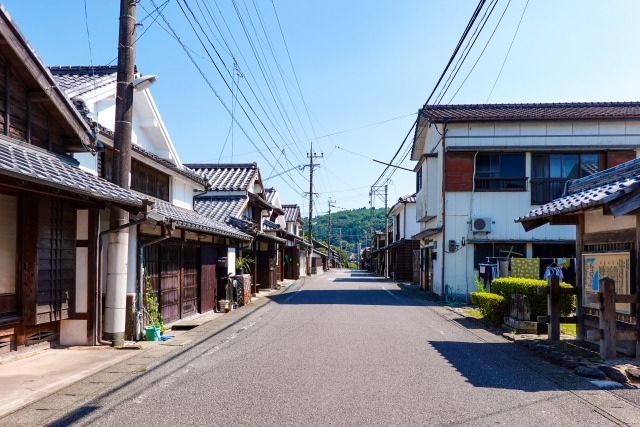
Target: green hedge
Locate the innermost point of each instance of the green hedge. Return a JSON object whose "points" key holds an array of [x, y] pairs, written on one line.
{"points": [[493, 306], [505, 286]]}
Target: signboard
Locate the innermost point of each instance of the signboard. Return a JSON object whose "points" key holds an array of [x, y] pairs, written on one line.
{"points": [[616, 266]]}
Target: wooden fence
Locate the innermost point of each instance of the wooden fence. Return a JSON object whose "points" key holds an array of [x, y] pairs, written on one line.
{"points": [[553, 318], [608, 334]]}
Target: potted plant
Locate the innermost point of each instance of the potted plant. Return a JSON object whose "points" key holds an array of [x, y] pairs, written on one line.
{"points": [[156, 327], [243, 264]]}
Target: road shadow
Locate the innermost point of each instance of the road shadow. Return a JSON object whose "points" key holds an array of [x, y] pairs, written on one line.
{"points": [[392, 297], [490, 365]]}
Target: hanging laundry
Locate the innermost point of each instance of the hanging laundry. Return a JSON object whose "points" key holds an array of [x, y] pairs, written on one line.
{"points": [[487, 273], [564, 262], [553, 269], [528, 268]]}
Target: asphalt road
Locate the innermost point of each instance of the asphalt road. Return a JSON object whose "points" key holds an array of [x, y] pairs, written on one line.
{"points": [[346, 349]]}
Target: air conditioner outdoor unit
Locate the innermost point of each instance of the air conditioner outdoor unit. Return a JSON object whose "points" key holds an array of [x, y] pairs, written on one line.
{"points": [[481, 225]]}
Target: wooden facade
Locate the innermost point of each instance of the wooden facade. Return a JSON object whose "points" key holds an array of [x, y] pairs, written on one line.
{"points": [[48, 227], [401, 260], [184, 277]]}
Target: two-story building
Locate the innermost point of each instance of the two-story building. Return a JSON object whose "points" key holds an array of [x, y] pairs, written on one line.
{"points": [[480, 166], [236, 196], [178, 254], [51, 208], [404, 251], [296, 250]]}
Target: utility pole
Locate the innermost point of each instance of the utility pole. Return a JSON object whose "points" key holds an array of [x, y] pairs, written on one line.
{"points": [[375, 191], [118, 248], [386, 234], [312, 156], [330, 202]]}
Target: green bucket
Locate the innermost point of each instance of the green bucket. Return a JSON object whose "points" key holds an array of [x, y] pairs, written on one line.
{"points": [[152, 332]]}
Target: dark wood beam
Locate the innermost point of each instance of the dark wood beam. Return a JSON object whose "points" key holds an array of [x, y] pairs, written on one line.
{"points": [[564, 220], [38, 96]]}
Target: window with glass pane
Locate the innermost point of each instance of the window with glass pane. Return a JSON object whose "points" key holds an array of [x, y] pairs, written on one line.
{"points": [[500, 172], [550, 172]]}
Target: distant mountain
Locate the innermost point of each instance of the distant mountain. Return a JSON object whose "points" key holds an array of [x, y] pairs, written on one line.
{"points": [[352, 225]]}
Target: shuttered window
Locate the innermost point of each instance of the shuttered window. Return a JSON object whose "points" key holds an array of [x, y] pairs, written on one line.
{"points": [[56, 250]]}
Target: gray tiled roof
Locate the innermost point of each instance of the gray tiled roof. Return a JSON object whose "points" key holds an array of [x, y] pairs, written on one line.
{"points": [[291, 213], [31, 164], [270, 225], [524, 112], [227, 177], [587, 193], [408, 198], [78, 80], [188, 219], [270, 194], [220, 208]]}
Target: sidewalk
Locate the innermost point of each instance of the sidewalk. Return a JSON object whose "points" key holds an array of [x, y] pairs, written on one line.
{"points": [[29, 378]]}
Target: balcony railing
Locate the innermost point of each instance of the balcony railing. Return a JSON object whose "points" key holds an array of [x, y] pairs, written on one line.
{"points": [[544, 190], [501, 184]]}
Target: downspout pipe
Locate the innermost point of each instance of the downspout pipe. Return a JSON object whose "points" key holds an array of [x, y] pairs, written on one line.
{"points": [[99, 339], [444, 207]]}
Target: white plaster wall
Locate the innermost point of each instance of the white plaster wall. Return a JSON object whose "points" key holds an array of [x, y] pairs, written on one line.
{"points": [[545, 134], [182, 192], [437, 265], [82, 276], [502, 208], [421, 195], [231, 261], [132, 261], [429, 196], [596, 222], [82, 262], [88, 162], [410, 227]]}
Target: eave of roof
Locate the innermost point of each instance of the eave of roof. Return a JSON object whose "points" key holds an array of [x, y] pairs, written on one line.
{"points": [[532, 112], [264, 204], [192, 220], [427, 233], [591, 192], [31, 164], [26, 61]]}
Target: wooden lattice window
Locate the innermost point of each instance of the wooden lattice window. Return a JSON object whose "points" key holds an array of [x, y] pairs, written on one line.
{"points": [[56, 260], [149, 181]]}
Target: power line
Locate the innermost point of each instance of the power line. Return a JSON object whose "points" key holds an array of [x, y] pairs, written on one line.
{"points": [[455, 51], [188, 52], [483, 49], [509, 50], [465, 52]]}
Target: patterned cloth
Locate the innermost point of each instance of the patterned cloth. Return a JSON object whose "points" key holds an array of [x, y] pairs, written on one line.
{"points": [[525, 267]]}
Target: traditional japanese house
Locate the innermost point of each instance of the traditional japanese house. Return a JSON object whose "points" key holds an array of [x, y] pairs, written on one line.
{"points": [[51, 208], [236, 196], [296, 250], [182, 256], [404, 251]]}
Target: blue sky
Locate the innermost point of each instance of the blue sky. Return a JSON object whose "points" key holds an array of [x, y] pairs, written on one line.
{"points": [[355, 63]]}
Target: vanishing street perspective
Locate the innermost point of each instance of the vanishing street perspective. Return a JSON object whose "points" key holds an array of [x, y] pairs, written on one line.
{"points": [[340, 213]]}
